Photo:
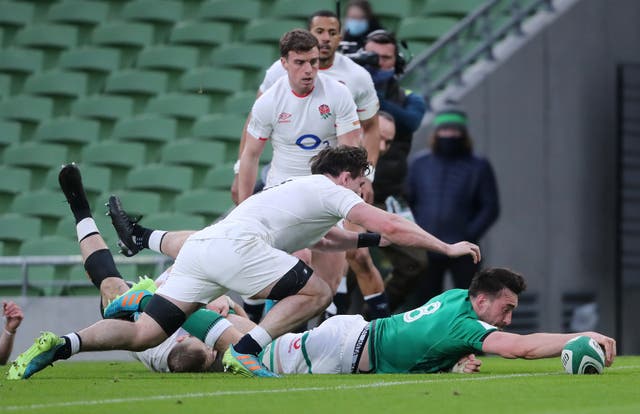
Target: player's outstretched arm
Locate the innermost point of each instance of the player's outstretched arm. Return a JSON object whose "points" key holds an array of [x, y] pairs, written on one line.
{"points": [[399, 230], [541, 345]]}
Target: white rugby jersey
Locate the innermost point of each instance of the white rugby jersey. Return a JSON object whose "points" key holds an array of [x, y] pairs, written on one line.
{"points": [[155, 359], [300, 126], [344, 70], [290, 216]]}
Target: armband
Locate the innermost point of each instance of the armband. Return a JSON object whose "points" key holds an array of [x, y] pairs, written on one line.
{"points": [[368, 239], [236, 167], [371, 174]]}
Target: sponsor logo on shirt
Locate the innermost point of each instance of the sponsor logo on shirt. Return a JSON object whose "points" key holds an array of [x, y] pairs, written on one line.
{"points": [[284, 118], [325, 111]]}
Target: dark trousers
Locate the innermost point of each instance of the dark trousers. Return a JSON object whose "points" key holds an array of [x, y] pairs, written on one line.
{"points": [[409, 265]]}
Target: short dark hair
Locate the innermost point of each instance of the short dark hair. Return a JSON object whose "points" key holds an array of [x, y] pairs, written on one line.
{"points": [[382, 37], [322, 13], [298, 40], [185, 358], [491, 281], [386, 115], [336, 160]]}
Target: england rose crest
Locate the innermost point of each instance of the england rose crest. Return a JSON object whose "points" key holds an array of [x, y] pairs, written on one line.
{"points": [[325, 111]]}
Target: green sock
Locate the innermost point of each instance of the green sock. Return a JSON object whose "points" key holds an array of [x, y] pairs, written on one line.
{"points": [[206, 325]]}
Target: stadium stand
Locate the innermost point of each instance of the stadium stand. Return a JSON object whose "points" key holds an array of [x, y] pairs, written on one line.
{"points": [[150, 98]]}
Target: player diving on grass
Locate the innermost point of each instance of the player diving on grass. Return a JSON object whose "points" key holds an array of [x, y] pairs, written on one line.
{"points": [[248, 252]]}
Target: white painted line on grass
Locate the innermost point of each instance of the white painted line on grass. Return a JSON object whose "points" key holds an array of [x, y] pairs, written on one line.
{"points": [[454, 378]]}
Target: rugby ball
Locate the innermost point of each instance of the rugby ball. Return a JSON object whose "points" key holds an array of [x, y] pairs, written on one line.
{"points": [[582, 355]]}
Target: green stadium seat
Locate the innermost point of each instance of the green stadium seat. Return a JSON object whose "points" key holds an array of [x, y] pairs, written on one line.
{"points": [[215, 83], [119, 157], [220, 177], [9, 133], [79, 283], [226, 127], [50, 246], [230, 10], [14, 15], [391, 12], [28, 110], [166, 180], [210, 204], [420, 32], [201, 34], [451, 8], [13, 182], [20, 60], [240, 102], [271, 30], [95, 180], [151, 130], [168, 58], [90, 59], [129, 37], [84, 14], [137, 203], [175, 221], [51, 38], [63, 87], [300, 9], [49, 206], [139, 84], [37, 157], [71, 132], [103, 107], [244, 55], [197, 154], [114, 154], [16, 228], [154, 11], [181, 106]]}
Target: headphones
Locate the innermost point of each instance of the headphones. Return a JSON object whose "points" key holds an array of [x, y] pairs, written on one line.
{"points": [[384, 37]]}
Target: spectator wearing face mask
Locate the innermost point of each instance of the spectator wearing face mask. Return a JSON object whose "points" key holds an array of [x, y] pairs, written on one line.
{"points": [[452, 193], [359, 21]]}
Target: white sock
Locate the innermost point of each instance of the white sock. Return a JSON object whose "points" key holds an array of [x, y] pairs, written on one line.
{"points": [[86, 227], [332, 309], [155, 240], [373, 296], [74, 341], [261, 336], [342, 287]]}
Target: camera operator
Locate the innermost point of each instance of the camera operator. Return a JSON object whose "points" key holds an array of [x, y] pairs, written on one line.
{"points": [[407, 109]]}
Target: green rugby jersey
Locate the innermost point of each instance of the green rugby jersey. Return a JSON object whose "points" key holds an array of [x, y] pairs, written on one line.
{"points": [[430, 338]]}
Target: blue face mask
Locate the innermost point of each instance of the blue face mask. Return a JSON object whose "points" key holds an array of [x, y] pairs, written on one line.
{"points": [[382, 76], [356, 27]]}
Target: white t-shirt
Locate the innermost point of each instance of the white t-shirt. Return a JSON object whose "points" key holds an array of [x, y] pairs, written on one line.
{"points": [[345, 71], [290, 216], [300, 126]]}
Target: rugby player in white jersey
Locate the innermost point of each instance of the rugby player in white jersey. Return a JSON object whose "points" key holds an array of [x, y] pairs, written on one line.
{"points": [[249, 252]]}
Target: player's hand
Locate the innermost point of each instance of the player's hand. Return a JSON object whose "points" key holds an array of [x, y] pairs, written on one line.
{"points": [[384, 242], [463, 248], [221, 305], [467, 365], [234, 190], [13, 314], [367, 191], [609, 345]]}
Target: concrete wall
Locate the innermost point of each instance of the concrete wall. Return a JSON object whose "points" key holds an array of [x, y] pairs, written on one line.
{"points": [[546, 118]]}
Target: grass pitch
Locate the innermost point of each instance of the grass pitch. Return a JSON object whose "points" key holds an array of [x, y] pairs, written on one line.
{"points": [[505, 386]]}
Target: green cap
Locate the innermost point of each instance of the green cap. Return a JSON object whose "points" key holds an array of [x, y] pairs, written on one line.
{"points": [[450, 118]]}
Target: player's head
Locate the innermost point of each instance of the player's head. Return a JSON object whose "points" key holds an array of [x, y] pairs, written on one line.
{"points": [[325, 26], [299, 56], [346, 164], [450, 137], [190, 354], [494, 295], [387, 127]]}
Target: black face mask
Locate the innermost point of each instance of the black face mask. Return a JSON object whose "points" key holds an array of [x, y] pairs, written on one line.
{"points": [[450, 147]]}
